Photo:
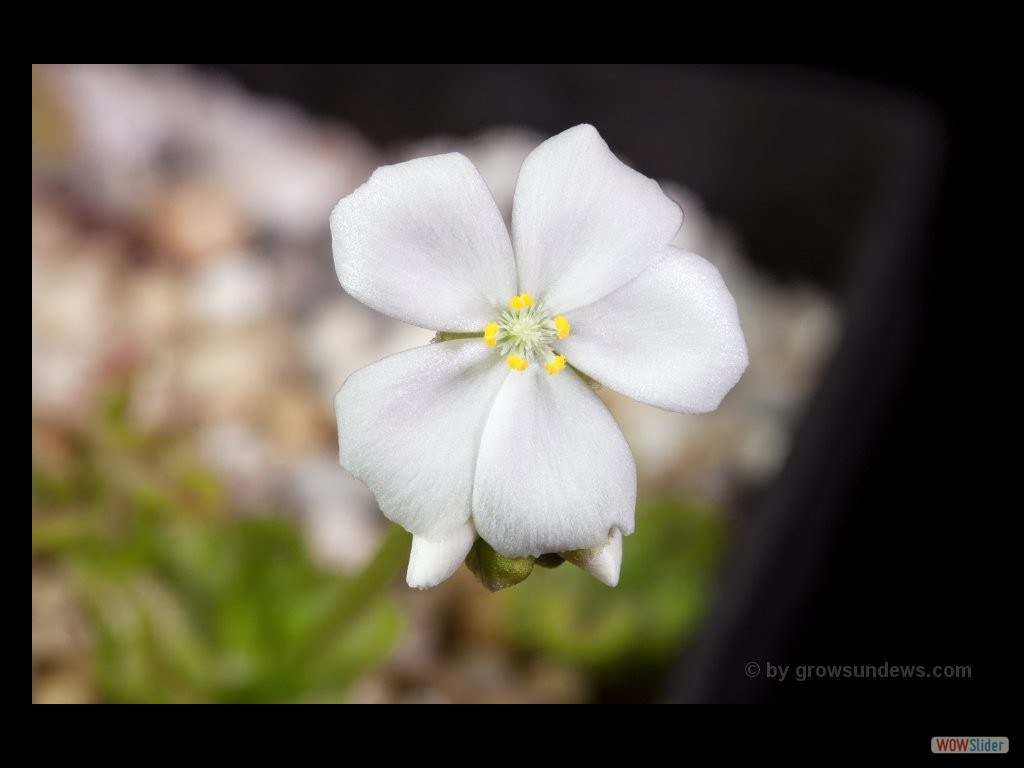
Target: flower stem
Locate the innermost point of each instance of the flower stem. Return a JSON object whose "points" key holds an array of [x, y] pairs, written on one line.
{"points": [[365, 587], [451, 336]]}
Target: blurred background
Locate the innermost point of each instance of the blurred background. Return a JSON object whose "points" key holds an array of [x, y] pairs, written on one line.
{"points": [[193, 537]]}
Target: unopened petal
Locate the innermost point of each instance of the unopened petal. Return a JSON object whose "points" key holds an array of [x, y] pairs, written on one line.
{"points": [[602, 562], [432, 561]]}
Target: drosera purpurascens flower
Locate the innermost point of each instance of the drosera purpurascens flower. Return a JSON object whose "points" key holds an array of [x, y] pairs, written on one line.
{"points": [[494, 432]]}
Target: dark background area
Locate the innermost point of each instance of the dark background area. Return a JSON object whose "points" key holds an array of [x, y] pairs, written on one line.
{"points": [[875, 544]]}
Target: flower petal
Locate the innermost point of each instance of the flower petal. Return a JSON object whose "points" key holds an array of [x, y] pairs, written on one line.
{"points": [[554, 472], [671, 337], [409, 427], [583, 223], [423, 241], [602, 562], [432, 561]]}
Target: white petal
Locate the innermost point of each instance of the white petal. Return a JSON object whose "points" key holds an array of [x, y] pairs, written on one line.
{"points": [[554, 472], [670, 338], [603, 562], [409, 427], [433, 561], [583, 223], [423, 241]]}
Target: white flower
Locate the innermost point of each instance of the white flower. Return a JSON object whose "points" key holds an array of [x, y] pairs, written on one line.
{"points": [[496, 435]]}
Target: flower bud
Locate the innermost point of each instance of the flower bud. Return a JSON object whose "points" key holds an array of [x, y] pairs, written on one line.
{"points": [[602, 562]]}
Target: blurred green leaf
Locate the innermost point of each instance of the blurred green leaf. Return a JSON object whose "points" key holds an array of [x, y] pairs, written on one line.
{"points": [[189, 602]]}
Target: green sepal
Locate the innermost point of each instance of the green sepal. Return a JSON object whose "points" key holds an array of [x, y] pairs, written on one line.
{"points": [[494, 570]]}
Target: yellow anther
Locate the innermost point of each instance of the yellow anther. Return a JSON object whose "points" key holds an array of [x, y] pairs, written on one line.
{"points": [[521, 301], [555, 365], [516, 363], [562, 326], [491, 334]]}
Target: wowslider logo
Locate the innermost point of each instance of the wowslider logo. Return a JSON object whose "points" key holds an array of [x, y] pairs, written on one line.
{"points": [[979, 745]]}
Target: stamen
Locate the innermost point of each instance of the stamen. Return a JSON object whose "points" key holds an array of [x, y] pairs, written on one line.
{"points": [[562, 327], [491, 334], [556, 365], [516, 363], [521, 301]]}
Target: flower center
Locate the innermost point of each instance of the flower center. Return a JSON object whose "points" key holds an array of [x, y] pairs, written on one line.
{"points": [[525, 333]]}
